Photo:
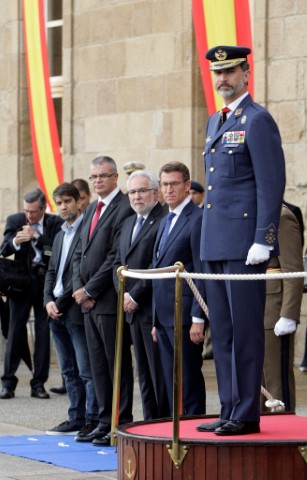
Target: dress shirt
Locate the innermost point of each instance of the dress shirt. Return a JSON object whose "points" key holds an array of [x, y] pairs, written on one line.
{"points": [[67, 239]]}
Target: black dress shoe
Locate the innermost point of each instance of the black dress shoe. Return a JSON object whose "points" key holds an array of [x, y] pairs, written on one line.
{"points": [[103, 441], [212, 426], [7, 393], [89, 437], [59, 390], [236, 427], [39, 392]]}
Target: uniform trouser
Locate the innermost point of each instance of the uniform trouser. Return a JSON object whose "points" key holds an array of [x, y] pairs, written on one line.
{"points": [[236, 312], [19, 314], [278, 374]]}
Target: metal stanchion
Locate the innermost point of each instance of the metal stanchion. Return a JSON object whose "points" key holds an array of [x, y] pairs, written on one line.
{"points": [[176, 450], [118, 354]]}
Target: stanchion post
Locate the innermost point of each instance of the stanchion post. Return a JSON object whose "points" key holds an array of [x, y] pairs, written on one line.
{"points": [[118, 353], [176, 451]]}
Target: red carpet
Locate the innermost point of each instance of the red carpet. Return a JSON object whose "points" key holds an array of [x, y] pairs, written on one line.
{"points": [[274, 428]]}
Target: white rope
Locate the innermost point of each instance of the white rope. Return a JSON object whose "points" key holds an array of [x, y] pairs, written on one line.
{"points": [[154, 274]]}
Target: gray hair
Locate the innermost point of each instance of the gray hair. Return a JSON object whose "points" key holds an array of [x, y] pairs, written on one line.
{"points": [[36, 195], [153, 181], [98, 161]]}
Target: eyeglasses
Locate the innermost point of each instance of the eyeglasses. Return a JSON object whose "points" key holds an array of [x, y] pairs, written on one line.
{"points": [[101, 175], [141, 191], [164, 185], [33, 212]]}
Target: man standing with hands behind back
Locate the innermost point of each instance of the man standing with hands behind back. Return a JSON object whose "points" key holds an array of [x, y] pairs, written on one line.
{"points": [[94, 290], [245, 180]]}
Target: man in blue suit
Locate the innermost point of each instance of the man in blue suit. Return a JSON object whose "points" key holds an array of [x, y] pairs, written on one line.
{"points": [[245, 179], [178, 239]]}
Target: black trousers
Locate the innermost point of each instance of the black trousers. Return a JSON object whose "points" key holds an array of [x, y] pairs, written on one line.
{"points": [[17, 347]]}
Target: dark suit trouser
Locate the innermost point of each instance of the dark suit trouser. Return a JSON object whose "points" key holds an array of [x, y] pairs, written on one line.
{"points": [[193, 384], [17, 339], [101, 336], [236, 311], [153, 394]]}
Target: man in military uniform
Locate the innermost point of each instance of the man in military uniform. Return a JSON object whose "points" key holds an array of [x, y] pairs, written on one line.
{"points": [[245, 179]]}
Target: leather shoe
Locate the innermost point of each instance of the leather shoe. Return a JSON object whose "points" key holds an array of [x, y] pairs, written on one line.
{"points": [[39, 392], [236, 427], [93, 435], [212, 426], [59, 390], [103, 441], [7, 393]]}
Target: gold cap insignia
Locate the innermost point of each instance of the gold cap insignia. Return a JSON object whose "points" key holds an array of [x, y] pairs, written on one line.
{"points": [[220, 55]]}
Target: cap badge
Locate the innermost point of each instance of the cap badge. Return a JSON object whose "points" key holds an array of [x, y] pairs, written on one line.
{"points": [[220, 55]]}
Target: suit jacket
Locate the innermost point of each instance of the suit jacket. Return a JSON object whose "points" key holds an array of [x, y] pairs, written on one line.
{"points": [[284, 296], [14, 223], [138, 256], [65, 303], [245, 180], [182, 245], [94, 258]]}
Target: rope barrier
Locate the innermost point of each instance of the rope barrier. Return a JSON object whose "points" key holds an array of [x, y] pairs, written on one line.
{"points": [[172, 271]]}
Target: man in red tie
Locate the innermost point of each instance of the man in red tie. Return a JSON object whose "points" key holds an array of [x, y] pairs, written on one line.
{"points": [[94, 291]]}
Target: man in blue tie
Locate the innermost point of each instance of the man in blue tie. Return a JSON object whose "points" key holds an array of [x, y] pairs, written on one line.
{"points": [[178, 239], [135, 248]]}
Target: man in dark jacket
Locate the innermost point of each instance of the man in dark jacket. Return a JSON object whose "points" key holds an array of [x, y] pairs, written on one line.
{"points": [[29, 236]]}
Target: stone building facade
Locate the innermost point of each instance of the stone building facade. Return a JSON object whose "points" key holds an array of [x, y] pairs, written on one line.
{"points": [[132, 89]]}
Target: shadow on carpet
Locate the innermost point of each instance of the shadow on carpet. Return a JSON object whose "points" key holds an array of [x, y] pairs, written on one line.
{"points": [[60, 450]]}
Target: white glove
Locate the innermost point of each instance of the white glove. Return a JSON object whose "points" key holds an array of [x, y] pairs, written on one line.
{"points": [[284, 326], [257, 254]]}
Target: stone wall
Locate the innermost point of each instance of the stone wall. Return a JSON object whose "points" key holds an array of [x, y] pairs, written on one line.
{"points": [[133, 83]]}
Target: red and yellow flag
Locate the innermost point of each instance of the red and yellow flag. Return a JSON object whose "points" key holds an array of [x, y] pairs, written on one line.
{"points": [[220, 22], [47, 156]]}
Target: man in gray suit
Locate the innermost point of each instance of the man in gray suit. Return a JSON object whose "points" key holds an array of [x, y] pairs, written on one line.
{"points": [[94, 290]]}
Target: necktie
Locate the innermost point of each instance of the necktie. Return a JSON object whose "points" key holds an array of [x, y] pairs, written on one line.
{"points": [[36, 254], [95, 217], [223, 115], [139, 224], [165, 233]]}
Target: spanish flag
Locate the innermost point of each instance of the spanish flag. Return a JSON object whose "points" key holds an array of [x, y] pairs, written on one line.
{"points": [[220, 22], [46, 151]]}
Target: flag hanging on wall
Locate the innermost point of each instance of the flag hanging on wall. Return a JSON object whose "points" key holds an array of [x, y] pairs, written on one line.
{"points": [[47, 156], [220, 22]]}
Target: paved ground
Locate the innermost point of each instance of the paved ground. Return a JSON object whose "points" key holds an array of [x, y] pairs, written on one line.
{"points": [[24, 414]]}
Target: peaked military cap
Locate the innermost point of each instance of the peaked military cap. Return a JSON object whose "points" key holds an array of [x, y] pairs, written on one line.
{"points": [[223, 56]]}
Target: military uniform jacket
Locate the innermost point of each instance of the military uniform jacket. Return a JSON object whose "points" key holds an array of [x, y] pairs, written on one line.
{"points": [[284, 296], [245, 179]]}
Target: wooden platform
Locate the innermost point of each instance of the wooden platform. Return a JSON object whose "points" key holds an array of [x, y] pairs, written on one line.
{"points": [[279, 452]]}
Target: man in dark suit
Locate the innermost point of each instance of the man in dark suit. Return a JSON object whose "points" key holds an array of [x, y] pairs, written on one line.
{"points": [[94, 291], [245, 180], [66, 319], [29, 236], [178, 239], [135, 251]]}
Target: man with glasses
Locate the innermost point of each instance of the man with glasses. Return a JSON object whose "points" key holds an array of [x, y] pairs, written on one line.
{"points": [[178, 240], [94, 291], [29, 236], [135, 251]]}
